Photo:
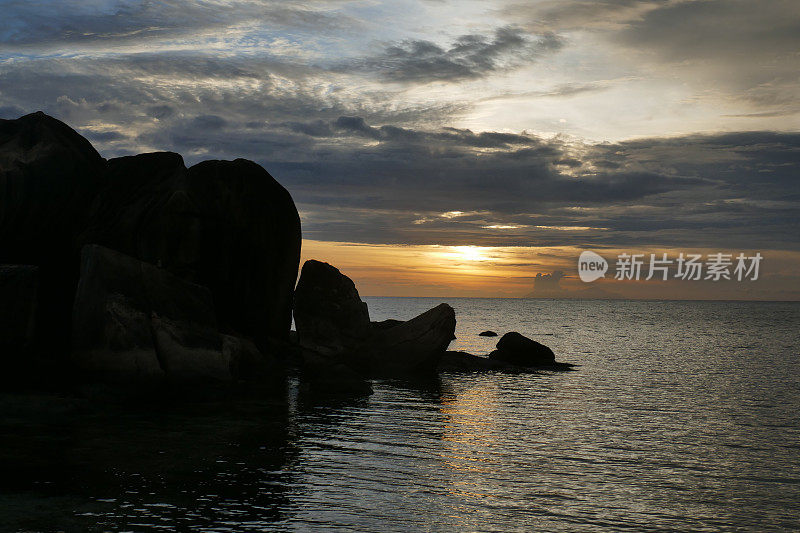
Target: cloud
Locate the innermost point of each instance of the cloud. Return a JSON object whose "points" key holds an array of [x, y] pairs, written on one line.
{"points": [[103, 23], [367, 162], [470, 56], [749, 47]]}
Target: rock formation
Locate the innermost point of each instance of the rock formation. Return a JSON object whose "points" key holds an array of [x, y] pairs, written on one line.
{"points": [[333, 324], [412, 347], [18, 300], [227, 225], [49, 176], [515, 349], [135, 322], [329, 315], [187, 276]]}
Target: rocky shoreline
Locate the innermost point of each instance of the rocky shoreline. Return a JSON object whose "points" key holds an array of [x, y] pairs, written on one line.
{"points": [[158, 275]]}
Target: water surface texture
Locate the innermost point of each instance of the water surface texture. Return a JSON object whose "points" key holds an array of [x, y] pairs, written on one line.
{"points": [[682, 416]]}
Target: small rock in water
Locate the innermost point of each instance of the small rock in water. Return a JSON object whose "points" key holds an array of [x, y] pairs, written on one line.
{"points": [[519, 350], [487, 333]]}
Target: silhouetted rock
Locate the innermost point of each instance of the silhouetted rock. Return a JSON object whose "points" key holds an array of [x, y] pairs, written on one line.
{"points": [[190, 353], [135, 322], [414, 346], [18, 288], [248, 363], [329, 315], [453, 361], [49, 176], [120, 313], [227, 225], [487, 333], [250, 246], [329, 375], [516, 349], [380, 325]]}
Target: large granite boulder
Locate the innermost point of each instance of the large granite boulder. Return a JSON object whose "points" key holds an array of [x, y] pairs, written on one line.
{"points": [[412, 347], [135, 323], [118, 318], [329, 315], [49, 176], [18, 295], [516, 349], [227, 225]]}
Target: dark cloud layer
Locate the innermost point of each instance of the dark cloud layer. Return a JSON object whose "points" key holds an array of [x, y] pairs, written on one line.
{"points": [[470, 56], [59, 23]]}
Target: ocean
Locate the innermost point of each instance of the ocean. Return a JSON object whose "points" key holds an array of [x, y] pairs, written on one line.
{"points": [[682, 416]]}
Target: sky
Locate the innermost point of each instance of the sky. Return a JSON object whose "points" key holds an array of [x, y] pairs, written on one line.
{"points": [[457, 148]]}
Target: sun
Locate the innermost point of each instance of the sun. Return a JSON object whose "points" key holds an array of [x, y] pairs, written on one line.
{"points": [[469, 253]]}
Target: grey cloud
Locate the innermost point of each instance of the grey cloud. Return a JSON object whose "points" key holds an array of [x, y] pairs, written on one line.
{"points": [[726, 42], [58, 22], [468, 57], [570, 15]]}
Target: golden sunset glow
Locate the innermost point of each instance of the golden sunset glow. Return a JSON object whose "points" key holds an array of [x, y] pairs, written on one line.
{"points": [[467, 253], [486, 271]]}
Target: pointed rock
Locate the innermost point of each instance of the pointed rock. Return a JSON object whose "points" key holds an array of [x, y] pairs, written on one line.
{"points": [[328, 312], [412, 347]]}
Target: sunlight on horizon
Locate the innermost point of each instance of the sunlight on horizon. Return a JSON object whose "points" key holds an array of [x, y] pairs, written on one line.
{"points": [[510, 272]]}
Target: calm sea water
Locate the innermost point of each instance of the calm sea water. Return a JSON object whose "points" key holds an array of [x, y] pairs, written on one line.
{"points": [[682, 416]]}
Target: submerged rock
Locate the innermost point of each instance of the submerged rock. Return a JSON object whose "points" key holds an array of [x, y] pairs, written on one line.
{"points": [[487, 333], [412, 347], [454, 361], [329, 315]]}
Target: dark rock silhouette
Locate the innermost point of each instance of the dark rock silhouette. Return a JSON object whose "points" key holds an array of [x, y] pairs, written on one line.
{"points": [[412, 347], [453, 361], [117, 301], [227, 225], [487, 333], [137, 323], [18, 287], [519, 350], [49, 175], [516, 349], [187, 276], [333, 328], [330, 375], [329, 315], [385, 324]]}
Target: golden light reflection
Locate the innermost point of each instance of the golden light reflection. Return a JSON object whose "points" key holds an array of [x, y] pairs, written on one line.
{"points": [[470, 422]]}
